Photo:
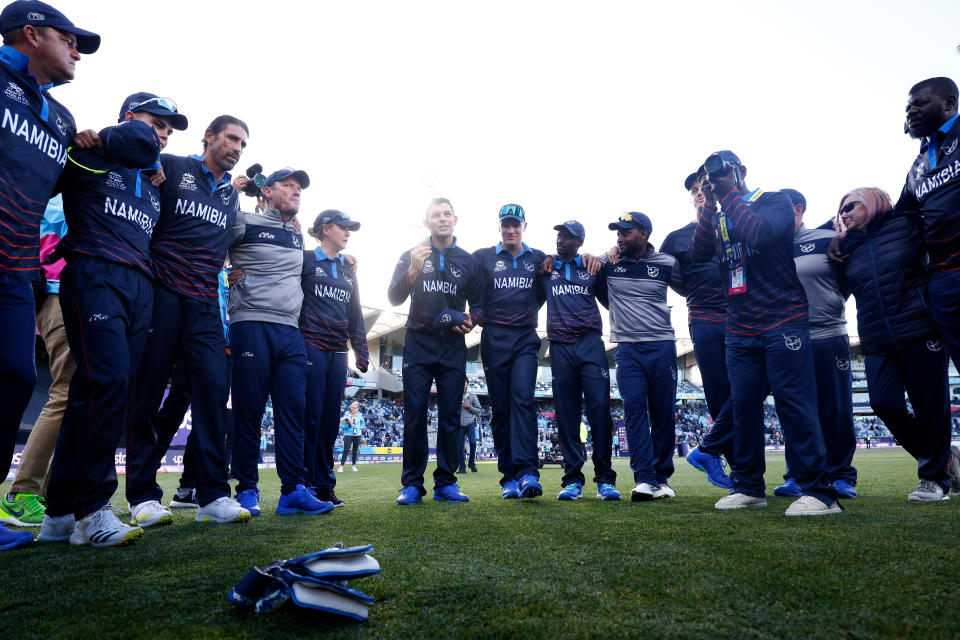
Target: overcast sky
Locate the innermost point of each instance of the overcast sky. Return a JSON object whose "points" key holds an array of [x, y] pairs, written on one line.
{"points": [[574, 110]]}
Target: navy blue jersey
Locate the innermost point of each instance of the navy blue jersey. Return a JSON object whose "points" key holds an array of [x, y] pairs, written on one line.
{"points": [[703, 282], [570, 292], [448, 280], [35, 131], [192, 235], [110, 213], [762, 232], [510, 297], [935, 193], [331, 312]]}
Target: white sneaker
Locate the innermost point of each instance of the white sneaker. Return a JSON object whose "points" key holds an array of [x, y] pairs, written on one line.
{"points": [[354, 467], [643, 492], [664, 491], [740, 501], [103, 529], [928, 491], [340, 470], [222, 510], [810, 506], [149, 514], [56, 528]]}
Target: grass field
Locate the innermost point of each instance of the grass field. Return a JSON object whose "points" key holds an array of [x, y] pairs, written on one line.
{"points": [[528, 569]]}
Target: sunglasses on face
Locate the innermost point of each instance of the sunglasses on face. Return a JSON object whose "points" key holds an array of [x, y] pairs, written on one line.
{"points": [[850, 206], [165, 103]]}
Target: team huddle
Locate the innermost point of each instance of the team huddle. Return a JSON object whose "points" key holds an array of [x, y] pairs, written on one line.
{"points": [[127, 298]]}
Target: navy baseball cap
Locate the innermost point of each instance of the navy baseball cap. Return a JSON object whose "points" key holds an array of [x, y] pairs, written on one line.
{"points": [[282, 174], [449, 318], [572, 227], [796, 198], [149, 103], [39, 14], [693, 177], [333, 216], [512, 211], [729, 157], [632, 220]]}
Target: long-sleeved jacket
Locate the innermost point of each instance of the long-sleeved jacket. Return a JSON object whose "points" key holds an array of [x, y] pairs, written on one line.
{"points": [[469, 415]]}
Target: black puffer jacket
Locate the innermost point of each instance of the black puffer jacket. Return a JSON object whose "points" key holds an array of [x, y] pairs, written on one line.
{"points": [[886, 274]]}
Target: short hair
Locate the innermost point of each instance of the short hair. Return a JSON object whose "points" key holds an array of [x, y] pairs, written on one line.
{"points": [[220, 123], [944, 87], [435, 201], [13, 36], [875, 200]]}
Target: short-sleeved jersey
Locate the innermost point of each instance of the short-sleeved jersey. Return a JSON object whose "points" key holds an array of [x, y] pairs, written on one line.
{"points": [[331, 312], [510, 296], [570, 292]]}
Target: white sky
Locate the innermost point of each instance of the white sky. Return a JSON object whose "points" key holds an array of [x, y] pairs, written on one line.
{"points": [[572, 110]]}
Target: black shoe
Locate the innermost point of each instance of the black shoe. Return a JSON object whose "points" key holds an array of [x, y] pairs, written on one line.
{"points": [[332, 498], [473, 468], [185, 499], [461, 470]]}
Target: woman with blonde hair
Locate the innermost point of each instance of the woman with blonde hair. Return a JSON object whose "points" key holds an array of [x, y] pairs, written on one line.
{"points": [[884, 270]]}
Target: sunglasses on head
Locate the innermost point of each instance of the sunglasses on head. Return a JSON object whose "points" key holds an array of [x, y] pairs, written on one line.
{"points": [[850, 206], [165, 103], [626, 218]]}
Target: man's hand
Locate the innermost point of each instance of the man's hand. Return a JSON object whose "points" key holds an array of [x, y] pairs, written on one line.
{"points": [[465, 405], [87, 139], [296, 225], [464, 328], [592, 263], [418, 256], [613, 254], [234, 276], [350, 261], [714, 186], [157, 176], [834, 252], [362, 366], [240, 183], [546, 266]]}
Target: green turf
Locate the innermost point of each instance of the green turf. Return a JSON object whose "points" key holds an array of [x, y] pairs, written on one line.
{"points": [[527, 569]]}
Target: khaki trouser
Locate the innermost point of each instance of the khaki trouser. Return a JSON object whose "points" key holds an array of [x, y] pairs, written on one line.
{"points": [[34, 469]]}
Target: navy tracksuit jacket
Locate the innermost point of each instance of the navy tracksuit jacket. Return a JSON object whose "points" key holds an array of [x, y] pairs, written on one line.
{"points": [[768, 342], [509, 348], [448, 280], [579, 367]]}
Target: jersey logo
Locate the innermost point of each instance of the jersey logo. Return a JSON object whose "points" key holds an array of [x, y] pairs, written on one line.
{"points": [[455, 272], [247, 354], [62, 126], [348, 279], [842, 364], [570, 222], [604, 373], [97, 317], [34, 16], [115, 181], [321, 272], [428, 266], [934, 345], [792, 342], [653, 272], [952, 147], [225, 196], [500, 266], [155, 202], [555, 275], [266, 235], [807, 247], [528, 266], [297, 242], [619, 269], [583, 275], [446, 318], [188, 182], [14, 92]]}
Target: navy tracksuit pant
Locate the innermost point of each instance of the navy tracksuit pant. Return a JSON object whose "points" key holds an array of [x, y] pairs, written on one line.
{"points": [[647, 377], [580, 370], [943, 291], [268, 358], [710, 350], [326, 380], [18, 371], [467, 434], [106, 314], [781, 361], [831, 366], [428, 357], [510, 356], [921, 369], [184, 331]]}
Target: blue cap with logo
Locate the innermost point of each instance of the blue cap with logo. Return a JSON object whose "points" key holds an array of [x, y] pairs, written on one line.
{"points": [[282, 174], [39, 14], [334, 216], [632, 220], [572, 227], [150, 103], [796, 198], [448, 318], [512, 212]]}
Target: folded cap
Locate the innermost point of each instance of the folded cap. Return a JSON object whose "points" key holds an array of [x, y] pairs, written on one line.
{"points": [[131, 143], [449, 318], [632, 220], [572, 227], [282, 174], [150, 103], [20, 13]]}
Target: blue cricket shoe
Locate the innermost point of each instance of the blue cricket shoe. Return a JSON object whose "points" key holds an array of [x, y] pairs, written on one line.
{"points": [[450, 493], [530, 486], [409, 495], [845, 489], [710, 465], [511, 489], [573, 491], [250, 500], [789, 489], [301, 500], [606, 491], [10, 539]]}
